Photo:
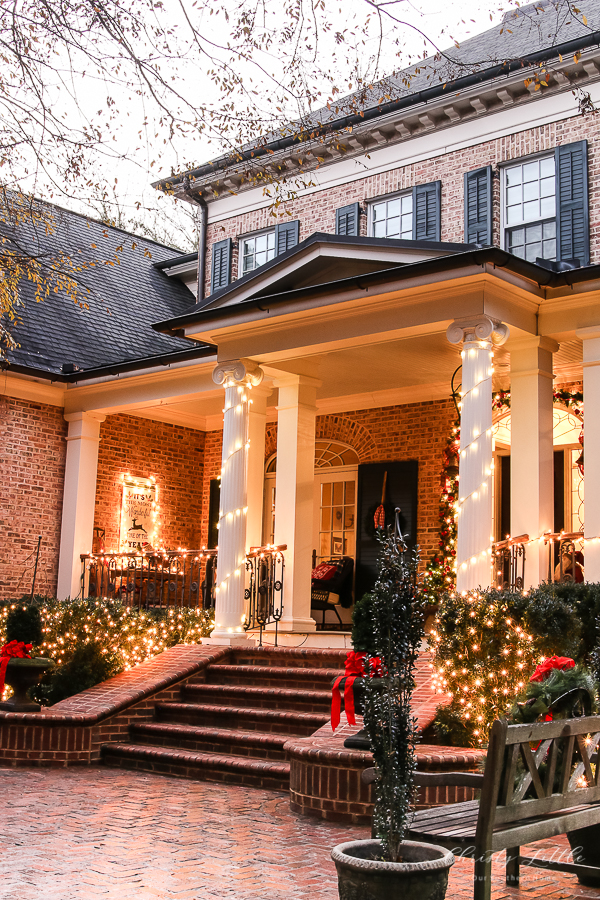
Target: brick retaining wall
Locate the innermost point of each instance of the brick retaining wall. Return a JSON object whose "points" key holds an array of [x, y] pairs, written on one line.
{"points": [[71, 732]]}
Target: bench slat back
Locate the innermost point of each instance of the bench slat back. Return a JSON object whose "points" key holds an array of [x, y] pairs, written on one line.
{"points": [[548, 761]]}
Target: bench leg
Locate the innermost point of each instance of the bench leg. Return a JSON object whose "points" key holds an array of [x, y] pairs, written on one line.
{"points": [[482, 877], [512, 866]]}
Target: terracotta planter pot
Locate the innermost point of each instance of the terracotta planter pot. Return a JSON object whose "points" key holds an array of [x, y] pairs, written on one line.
{"points": [[363, 875], [21, 675]]}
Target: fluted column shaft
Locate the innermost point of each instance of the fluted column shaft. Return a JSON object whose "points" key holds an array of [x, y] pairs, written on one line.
{"points": [[474, 538], [238, 377]]}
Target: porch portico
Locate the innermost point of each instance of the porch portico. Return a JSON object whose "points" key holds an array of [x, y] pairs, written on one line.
{"points": [[370, 345]]}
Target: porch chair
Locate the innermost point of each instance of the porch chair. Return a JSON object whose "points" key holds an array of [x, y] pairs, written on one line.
{"points": [[335, 590]]}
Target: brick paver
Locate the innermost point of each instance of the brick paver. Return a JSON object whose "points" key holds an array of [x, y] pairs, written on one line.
{"points": [[103, 833]]}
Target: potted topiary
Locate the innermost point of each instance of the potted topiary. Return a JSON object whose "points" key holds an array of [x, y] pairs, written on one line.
{"points": [[17, 667], [389, 866]]}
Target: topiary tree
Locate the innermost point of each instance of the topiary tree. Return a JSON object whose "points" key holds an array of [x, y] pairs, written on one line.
{"points": [[24, 623], [362, 625], [397, 617]]}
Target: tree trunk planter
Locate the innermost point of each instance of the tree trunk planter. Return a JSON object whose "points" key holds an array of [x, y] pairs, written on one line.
{"points": [[363, 875], [21, 675]]}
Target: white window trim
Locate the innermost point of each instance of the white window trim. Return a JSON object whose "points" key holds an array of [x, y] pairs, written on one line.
{"points": [[240, 242], [503, 166], [372, 201]]}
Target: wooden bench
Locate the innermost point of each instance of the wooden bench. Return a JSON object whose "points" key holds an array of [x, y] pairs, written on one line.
{"points": [[521, 801]]}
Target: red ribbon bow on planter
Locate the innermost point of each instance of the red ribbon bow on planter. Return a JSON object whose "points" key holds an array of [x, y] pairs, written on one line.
{"points": [[354, 668], [13, 649], [555, 662]]}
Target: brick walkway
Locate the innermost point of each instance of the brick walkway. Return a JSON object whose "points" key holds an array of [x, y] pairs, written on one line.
{"points": [[95, 833]]}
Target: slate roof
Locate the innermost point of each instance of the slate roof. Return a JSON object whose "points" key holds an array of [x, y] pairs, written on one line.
{"points": [[122, 291], [540, 28]]}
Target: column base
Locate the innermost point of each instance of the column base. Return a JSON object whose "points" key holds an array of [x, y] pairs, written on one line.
{"points": [[294, 624], [226, 639]]}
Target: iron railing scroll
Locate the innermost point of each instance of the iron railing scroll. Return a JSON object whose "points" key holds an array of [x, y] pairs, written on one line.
{"points": [[508, 563], [565, 556], [265, 568], [157, 579]]}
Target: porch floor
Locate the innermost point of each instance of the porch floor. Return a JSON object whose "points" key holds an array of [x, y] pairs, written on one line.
{"points": [[92, 833]]}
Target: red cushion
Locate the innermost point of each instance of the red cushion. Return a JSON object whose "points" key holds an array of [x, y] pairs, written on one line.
{"points": [[324, 572]]}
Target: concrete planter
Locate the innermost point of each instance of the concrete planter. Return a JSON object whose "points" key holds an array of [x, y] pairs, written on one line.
{"points": [[363, 875], [21, 675]]}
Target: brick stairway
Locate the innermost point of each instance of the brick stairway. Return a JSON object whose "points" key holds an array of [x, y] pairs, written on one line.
{"points": [[231, 723]]}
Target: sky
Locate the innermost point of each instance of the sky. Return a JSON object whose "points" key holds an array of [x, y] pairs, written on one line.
{"points": [[139, 154]]}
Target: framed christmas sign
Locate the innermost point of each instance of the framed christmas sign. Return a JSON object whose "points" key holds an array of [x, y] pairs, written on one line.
{"points": [[138, 514]]}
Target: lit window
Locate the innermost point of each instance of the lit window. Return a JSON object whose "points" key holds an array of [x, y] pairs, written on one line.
{"points": [[393, 218], [256, 250], [530, 209]]}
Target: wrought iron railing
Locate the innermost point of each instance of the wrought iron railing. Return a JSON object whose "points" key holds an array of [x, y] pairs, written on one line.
{"points": [[565, 556], [157, 579], [264, 588], [508, 563]]}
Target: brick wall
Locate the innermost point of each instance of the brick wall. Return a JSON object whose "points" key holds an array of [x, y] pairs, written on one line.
{"points": [[317, 211], [174, 455], [32, 466], [396, 433]]}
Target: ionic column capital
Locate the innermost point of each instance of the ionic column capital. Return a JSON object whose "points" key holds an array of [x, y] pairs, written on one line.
{"points": [[477, 328], [241, 371]]}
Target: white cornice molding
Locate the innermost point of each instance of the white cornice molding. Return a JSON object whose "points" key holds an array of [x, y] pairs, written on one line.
{"points": [[23, 388], [444, 114]]}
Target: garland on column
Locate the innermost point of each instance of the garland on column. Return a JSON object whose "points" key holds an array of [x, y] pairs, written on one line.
{"points": [[440, 572]]}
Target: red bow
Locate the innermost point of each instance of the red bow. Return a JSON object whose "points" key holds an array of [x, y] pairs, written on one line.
{"points": [[354, 668], [555, 662], [18, 649]]}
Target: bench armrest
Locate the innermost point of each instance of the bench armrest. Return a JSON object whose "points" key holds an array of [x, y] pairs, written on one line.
{"points": [[435, 779]]}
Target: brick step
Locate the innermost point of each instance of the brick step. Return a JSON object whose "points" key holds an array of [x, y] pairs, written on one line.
{"points": [[212, 740], [250, 719], [270, 774], [272, 676], [288, 657], [268, 697]]}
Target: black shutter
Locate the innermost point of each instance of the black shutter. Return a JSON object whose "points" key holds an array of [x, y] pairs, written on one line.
{"points": [[347, 219], [572, 212], [427, 211], [287, 235], [221, 264], [478, 206]]}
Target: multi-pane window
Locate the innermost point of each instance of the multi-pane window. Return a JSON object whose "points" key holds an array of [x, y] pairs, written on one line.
{"points": [[530, 209], [393, 218], [257, 250]]}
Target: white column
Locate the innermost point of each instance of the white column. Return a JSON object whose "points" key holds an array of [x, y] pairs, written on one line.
{"points": [[238, 377], [79, 499], [474, 539], [531, 449], [294, 495], [257, 419], [591, 449]]}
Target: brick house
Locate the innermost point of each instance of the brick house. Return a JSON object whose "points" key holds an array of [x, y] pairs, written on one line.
{"points": [[458, 224]]}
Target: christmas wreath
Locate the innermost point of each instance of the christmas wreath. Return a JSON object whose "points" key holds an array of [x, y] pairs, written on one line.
{"points": [[558, 689]]}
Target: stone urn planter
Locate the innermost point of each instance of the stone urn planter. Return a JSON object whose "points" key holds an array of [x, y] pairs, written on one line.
{"points": [[21, 675], [364, 875]]}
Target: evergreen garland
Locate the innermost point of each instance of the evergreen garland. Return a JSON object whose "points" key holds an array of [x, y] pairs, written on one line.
{"points": [[397, 621], [440, 574]]}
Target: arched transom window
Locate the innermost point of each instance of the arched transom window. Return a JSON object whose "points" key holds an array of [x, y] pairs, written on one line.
{"points": [[328, 455]]}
